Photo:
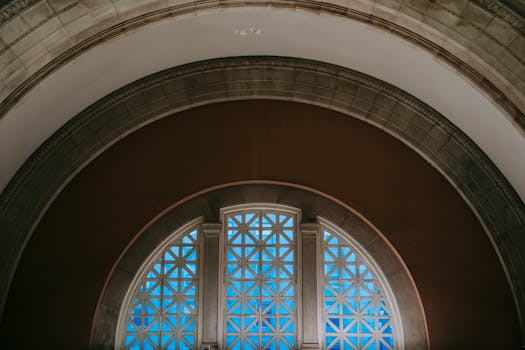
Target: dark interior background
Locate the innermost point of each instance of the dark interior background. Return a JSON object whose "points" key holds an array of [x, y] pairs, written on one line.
{"points": [[465, 294]]}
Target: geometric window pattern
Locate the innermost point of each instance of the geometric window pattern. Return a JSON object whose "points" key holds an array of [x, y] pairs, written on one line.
{"points": [[163, 311], [260, 280], [355, 314]]}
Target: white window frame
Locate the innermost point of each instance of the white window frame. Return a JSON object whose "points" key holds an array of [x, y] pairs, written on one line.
{"points": [[397, 327], [120, 338], [298, 260]]}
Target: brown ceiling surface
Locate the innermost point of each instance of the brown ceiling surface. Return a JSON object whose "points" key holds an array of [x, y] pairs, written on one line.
{"points": [[465, 295]]}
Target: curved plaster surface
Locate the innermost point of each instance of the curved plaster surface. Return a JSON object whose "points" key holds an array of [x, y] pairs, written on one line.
{"points": [[211, 34]]}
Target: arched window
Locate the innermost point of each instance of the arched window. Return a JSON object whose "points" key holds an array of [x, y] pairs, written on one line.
{"points": [[255, 288]]}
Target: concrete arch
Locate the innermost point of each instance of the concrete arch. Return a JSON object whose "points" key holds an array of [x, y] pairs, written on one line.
{"points": [[467, 168]]}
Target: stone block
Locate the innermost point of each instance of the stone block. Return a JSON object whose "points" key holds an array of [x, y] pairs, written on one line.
{"points": [[79, 25], [467, 30], [25, 43], [91, 4], [412, 13], [11, 31], [488, 44], [444, 16], [477, 16], [37, 14], [103, 11], [518, 47], [33, 54], [59, 5], [124, 6], [72, 14], [392, 4], [436, 138], [456, 6], [362, 105], [378, 116], [55, 39], [502, 31], [11, 69], [6, 58], [420, 6]]}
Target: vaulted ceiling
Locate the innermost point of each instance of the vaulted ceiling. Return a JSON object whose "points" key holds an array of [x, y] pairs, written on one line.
{"points": [[458, 65]]}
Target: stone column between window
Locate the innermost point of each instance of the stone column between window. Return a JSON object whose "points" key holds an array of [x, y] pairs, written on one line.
{"points": [[309, 233], [211, 232]]}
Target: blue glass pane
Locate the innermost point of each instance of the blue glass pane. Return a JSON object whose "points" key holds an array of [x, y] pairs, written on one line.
{"points": [[355, 283]]}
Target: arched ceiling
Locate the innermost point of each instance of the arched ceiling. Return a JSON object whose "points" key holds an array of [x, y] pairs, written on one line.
{"points": [[462, 58], [85, 77]]}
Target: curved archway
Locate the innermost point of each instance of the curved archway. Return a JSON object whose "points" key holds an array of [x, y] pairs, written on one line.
{"points": [[398, 113]]}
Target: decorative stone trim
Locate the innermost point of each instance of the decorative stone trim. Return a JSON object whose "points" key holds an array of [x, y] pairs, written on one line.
{"points": [[503, 12], [467, 168], [14, 8], [508, 92]]}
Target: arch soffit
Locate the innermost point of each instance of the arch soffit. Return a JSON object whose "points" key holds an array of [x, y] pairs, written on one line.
{"points": [[483, 39], [488, 100], [207, 203], [431, 135]]}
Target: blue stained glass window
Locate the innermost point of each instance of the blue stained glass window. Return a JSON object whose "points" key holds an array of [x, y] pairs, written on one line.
{"points": [[260, 277], [356, 313], [164, 307]]}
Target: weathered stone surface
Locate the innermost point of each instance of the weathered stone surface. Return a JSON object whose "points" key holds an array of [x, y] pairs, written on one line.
{"points": [[462, 21]]}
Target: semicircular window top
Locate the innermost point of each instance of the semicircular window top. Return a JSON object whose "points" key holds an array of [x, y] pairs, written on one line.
{"points": [[357, 311], [259, 279]]}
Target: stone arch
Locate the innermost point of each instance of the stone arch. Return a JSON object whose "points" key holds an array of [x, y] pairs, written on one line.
{"points": [[419, 126]]}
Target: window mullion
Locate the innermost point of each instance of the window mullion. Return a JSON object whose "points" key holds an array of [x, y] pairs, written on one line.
{"points": [[210, 283], [310, 323]]}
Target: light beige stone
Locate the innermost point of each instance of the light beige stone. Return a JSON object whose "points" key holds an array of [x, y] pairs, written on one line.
{"points": [[12, 68], [72, 14], [59, 5], [25, 43], [502, 31], [123, 6], [37, 14], [477, 16], [6, 58], [55, 39], [443, 16], [79, 24], [456, 6], [11, 31], [103, 11], [33, 54]]}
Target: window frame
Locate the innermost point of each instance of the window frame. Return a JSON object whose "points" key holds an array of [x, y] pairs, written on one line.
{"points": [[120, 337], [369, 261], [223, 212]]}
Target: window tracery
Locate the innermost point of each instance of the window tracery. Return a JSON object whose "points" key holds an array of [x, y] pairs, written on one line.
{"points": [[259, 292]]}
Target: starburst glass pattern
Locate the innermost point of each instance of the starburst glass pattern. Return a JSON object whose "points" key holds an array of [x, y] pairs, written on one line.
{"points": [[260, 280], [164, 307], [356, 314]]}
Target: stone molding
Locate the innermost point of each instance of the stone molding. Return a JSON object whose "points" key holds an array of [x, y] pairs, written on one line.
{"points": [[503, 12], [481, 53], [430, 134], [13, 8], [209, 203]]}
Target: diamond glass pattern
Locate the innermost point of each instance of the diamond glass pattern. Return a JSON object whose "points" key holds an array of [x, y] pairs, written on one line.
{"points": [[260, 280], [355, 314], [164, 310]]}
